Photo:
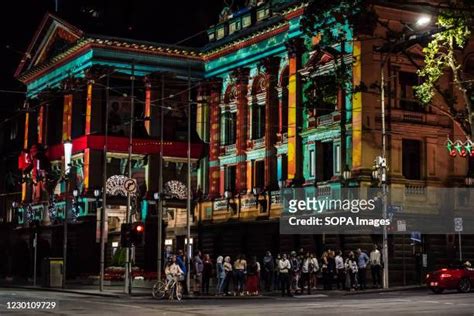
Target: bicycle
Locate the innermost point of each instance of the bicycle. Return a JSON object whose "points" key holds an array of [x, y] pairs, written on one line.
{"points": [[170, 288]]}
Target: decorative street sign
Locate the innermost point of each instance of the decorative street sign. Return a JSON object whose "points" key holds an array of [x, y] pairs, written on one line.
{"points": [[121, 185]]}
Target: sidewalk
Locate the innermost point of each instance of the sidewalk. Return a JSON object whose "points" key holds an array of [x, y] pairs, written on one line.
{"points": [[116, 291]]}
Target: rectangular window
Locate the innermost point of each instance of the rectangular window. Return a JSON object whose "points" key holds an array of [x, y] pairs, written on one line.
{"points": [[263, 13], [259, 174], [234, 26], [408, 102], [228, 121], [312, 163], [246, 21], [411, 159], [258, 121], [337, 159], [230, 178], [220, 33], [324, 161]]}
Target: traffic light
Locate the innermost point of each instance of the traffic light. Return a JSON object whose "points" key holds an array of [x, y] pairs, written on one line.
{"points": [[138, 229], [132, 234], [125, 235]]}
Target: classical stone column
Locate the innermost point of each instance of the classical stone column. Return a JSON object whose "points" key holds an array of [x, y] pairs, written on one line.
{"points": [[295, 162], [214, 143], [241, 77], [271, 66]]}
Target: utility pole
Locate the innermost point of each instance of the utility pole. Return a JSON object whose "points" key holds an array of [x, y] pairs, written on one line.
{"points": [[160, 184], [35, 246], [188, 208], [103, 216], [128, 282], [383, 167]]}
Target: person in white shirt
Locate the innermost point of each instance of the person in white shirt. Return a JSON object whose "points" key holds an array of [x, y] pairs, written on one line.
{"points": [[376, 266], [306, 273], [314, 273], [284, 267], [340, 271], [173, 271]]}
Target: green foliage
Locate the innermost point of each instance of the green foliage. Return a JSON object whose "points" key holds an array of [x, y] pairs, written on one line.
{"points": [[440, 54], [335, 22], [337, 19]]}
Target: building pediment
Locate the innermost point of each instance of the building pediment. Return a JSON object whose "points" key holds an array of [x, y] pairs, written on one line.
{"points": [[53, 37]]}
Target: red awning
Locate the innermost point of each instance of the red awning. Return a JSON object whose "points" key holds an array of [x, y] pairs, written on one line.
{"points": [[120, 144]]}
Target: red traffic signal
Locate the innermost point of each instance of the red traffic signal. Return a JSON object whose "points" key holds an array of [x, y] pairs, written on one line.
{"points": [[139, 228]]}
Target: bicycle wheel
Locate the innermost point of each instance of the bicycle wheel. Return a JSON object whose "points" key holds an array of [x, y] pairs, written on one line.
{"points": [[159, 290]]}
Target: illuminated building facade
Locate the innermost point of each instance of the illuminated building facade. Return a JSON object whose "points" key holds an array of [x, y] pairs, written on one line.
{"points": [[253, 133]]}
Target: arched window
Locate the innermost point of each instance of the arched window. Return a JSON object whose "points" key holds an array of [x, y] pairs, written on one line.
{"points": [[258, 107], [284, 101], [229, 117]]}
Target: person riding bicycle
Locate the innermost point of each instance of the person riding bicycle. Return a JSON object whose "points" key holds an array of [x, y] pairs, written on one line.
{"points": [[173, 271]]}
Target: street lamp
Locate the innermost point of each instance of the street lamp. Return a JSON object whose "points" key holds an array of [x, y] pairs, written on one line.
{"points": [[15, 206], [67, 168], [67, 156], [423, 20], [346, 174], [96, 193]]}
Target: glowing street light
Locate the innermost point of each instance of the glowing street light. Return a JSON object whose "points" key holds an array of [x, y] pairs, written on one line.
{"points": [[423, 20]]}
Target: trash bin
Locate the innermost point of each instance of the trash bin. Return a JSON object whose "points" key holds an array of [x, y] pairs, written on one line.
{"points": [[53, 272]]}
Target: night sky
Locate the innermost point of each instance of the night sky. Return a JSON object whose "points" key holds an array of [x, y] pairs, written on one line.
{"points": [[154, 20]]}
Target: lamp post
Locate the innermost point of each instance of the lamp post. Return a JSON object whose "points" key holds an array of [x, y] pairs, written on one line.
{"points": [[97, 194], [381, 165], [15, 206], [159, 211], [67, 169]]}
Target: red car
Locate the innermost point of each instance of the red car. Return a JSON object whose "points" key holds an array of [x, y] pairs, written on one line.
{"points": [[458, 276]]}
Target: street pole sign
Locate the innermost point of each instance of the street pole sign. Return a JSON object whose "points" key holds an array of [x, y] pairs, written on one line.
{"points": [[401, 225], [458, 227]]}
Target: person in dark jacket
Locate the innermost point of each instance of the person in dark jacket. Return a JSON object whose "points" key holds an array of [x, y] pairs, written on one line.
{"points": [[268, 270], [206, 274]]}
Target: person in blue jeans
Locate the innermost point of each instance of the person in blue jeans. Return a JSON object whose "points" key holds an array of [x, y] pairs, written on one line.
{"points": [[220, 274], [362, 261]]}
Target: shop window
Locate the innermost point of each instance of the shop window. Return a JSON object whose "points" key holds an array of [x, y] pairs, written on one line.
{"points": [[411, 159]]}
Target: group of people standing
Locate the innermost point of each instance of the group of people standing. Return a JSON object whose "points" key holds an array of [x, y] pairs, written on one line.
{"points": [[295, 273]]}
